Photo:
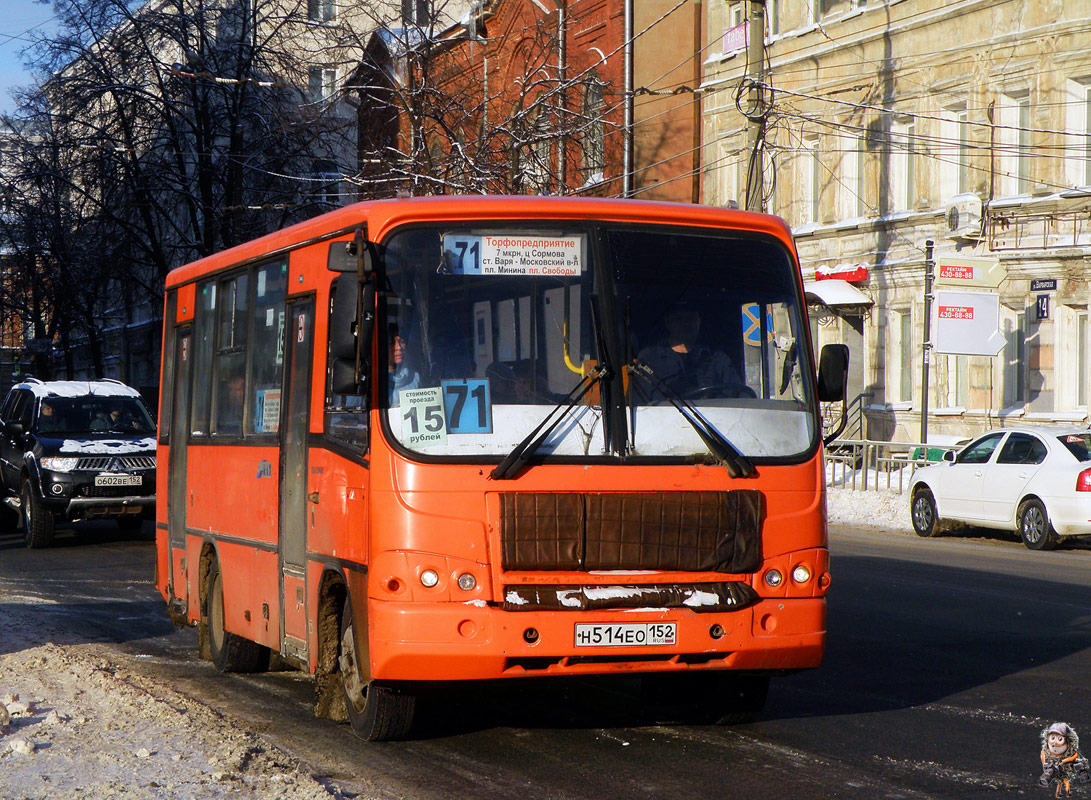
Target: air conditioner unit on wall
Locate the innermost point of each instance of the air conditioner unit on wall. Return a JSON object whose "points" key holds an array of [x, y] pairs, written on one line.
{"points": [[963, 217]]}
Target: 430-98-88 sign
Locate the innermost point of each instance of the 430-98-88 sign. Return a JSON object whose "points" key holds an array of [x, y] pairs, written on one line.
{"points": [[967, 323]]}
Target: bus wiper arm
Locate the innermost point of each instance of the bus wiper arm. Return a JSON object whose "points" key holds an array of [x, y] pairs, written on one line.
{"points": [[738, 465], [514, 461]]}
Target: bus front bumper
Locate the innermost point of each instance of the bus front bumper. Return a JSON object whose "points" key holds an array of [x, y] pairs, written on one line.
{"points": [[456, 641]]}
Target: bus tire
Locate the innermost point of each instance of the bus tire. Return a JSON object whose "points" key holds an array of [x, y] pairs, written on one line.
{"points": [[378, 711], [230, 652], [38, 521]]}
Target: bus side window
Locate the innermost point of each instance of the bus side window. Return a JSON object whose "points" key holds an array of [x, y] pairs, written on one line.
{"points": [[267, 342], [230, 367], [201, 411], [346, 417]]}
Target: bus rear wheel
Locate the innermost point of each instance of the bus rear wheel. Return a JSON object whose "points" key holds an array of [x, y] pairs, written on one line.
{"points": [[230, 653], [378, 711]]}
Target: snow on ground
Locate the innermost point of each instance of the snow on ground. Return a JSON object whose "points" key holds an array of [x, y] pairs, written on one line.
{"points": [[881, 509], [78, 725]]}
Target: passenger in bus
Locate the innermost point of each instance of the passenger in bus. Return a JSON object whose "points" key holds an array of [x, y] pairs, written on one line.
{"points": [[401, 376], [684, 364]]}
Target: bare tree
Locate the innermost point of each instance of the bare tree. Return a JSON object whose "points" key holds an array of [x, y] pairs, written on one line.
{"points": [[168, 130]]}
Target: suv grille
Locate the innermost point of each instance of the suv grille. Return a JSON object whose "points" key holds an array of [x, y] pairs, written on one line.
{"points": [[102, 463]]}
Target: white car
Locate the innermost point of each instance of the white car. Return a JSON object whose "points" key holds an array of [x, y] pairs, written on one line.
{"points": [[1035, 481]]}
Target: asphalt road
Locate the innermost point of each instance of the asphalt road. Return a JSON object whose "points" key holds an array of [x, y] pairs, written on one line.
{"points": [[946, 659]]}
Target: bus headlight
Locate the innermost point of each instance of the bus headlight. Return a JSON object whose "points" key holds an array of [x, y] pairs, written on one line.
{"points": [[429, 578], [467, 582], [773, 578], [801, 574]]}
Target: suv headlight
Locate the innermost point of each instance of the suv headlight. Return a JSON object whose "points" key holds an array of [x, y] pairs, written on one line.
{"points": [[59, 464]]}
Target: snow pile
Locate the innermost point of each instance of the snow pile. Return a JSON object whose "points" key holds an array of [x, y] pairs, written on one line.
{"points": [[875, 508], [74, 724]]}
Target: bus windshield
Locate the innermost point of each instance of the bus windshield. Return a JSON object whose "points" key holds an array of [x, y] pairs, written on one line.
{"points": [[485, 330]]}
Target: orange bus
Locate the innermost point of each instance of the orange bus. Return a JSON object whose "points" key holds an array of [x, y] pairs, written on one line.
{"points": [[466, 438]]}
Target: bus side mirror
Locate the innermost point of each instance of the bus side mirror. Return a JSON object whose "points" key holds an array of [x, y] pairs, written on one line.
{"points": [[833, 373], [354, 256], [351, 325]]}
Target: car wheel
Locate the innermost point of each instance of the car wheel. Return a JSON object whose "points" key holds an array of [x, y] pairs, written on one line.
{"points": [[378, 711], [38, 521], [230, 653], [923, 509], [1034, 526]]}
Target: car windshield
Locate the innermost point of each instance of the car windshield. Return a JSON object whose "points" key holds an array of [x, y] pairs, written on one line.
{"points": [[485, 331], [1078, 444], [93, 413]]}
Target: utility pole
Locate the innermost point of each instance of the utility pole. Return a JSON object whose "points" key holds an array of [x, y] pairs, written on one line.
{"points": [[755, 101], [926, 346]]}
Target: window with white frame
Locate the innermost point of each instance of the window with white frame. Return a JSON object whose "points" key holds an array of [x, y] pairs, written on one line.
{"points": [[809, 182], [1078, 132], [321, 83], [594, 143], [772, 17], [899, 356], [1013, 325], [1072, 357], [903, 166], [327, 182], [1013, 114], [321, 10], [952, 152], [850, 178]]}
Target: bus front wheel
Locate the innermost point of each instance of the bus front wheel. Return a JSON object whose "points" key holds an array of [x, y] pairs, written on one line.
{"points": [[378, 711], [230, 653]]}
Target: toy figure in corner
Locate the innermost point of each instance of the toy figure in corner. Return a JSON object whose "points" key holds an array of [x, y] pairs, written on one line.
{"points": [[1061, 760]]}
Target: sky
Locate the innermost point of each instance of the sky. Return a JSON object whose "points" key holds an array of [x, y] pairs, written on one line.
{"points": [[18, 18]]}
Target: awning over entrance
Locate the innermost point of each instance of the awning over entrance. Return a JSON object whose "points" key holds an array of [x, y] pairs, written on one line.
{"points": [[836, 294]]}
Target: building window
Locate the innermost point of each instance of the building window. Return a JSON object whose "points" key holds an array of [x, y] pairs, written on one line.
{"points": [[321, 10], [321, 83], [810, 178], [327, 182], [903, 167], [900, 356], [953, 152], [594, 142], [1078, 127], [772, 17], [1014, 325], [1014, 142], [853, 200]]}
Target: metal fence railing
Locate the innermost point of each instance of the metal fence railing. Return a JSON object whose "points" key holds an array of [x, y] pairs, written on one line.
{"points": [[864, 464]]}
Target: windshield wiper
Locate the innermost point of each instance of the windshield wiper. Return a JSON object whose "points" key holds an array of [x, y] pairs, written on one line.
{"points": [[517, 458], [738, 465]]}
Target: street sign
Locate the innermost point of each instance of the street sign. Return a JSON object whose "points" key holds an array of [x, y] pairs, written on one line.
{"points": [[967, 323], [985, 273]]}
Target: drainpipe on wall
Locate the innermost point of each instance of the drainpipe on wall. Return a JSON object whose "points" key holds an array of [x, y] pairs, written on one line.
{"points": [[697, 50], [562, 77]]}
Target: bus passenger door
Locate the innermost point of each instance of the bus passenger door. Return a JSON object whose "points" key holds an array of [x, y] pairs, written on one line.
{"points": [[176, 461], [293, 478]]}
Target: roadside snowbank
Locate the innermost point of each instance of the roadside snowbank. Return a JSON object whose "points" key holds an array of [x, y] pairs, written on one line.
{"points": [[80, 726], [874, 508]]}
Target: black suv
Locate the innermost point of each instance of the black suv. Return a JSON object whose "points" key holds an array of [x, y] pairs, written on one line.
{"points": [[75, 450]]}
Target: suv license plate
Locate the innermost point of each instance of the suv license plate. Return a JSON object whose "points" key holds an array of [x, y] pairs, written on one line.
{"points": [[626, 634], [117, 480]]}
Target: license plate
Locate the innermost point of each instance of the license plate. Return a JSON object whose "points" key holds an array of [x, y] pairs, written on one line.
{"points": [[626, 634], [117, 480]]}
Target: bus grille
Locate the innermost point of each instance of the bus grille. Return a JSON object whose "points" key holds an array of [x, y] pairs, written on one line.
{"points": [[580, 531]]}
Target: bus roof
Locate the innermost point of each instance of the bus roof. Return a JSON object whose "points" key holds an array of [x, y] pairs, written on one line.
{"points": [[382, 215]]}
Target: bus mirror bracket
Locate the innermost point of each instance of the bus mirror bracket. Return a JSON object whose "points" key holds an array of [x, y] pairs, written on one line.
{"points": [[352, 313], [833, 383], [354, 256]]}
